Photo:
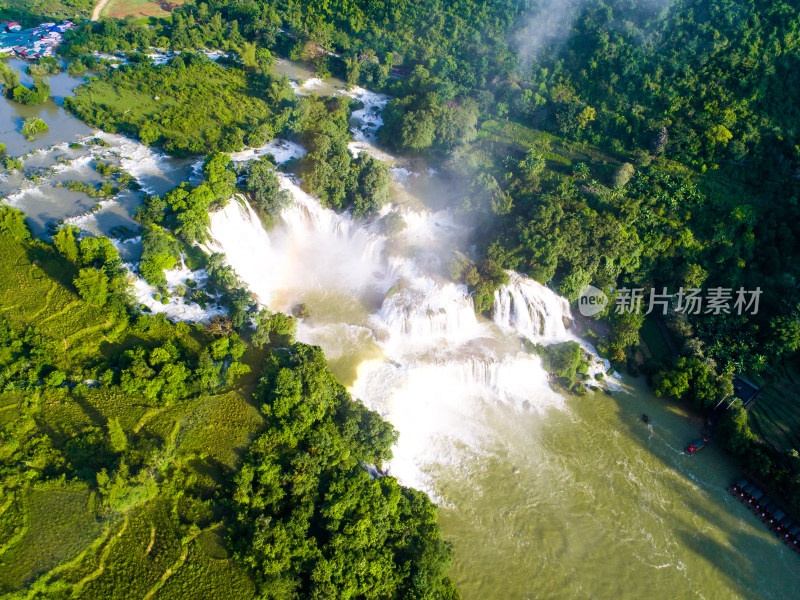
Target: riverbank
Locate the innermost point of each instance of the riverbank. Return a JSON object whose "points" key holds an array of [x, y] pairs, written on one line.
{"points": [[768, 512]]}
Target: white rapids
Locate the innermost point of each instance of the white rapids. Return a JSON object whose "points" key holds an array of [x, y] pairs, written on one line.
{"points": [[422, 358], [427, 363]]}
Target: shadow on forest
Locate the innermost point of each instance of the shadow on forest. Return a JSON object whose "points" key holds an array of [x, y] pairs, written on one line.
{"points": [[58, 270]]}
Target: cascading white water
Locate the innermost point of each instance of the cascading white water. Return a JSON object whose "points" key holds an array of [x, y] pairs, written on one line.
{"points": [[440, 406], [414, 347], [315, 249], [154, 171], [369, 117], [532, 310], [369, 121], [175, 308], [428, 363], [281, 151], [428, 312], [46, 200], [237, 231]]}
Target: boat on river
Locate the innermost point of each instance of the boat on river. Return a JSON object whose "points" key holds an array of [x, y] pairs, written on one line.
{"points": [[696, 446]]}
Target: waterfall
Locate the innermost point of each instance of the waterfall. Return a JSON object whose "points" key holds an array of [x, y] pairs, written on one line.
{"points": [[532, 310], [46, 201], [236, 231], [369, 120], [154, 171], [428, 312], [441, 407], [527, 308], [312, 247], [421, 356], [369, 117], [407, 339], [281, 150]]}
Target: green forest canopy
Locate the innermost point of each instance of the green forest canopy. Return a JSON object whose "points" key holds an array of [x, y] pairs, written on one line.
{"points": [[641, 145], [131, 447]]}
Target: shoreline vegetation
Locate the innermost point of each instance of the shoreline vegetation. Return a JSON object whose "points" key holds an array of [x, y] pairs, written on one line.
{"points": [[575, 175], [104, 407]]}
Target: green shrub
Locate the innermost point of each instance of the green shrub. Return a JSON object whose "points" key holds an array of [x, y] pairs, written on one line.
{"points": [[562, 361], [31, 126]]}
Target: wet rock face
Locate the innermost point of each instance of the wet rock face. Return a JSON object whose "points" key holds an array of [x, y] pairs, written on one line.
{"points": [[301, 311]]}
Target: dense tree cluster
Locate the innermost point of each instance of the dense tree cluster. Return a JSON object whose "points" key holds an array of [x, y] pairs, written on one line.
{"points": [[14, 90], [329, 170], [39, 93], [369, 189], [234, 293], [32, 126], [277, 329], [565, 363], [430, 115], [694, 380], [27, 360], [711, 79], [265, 192], [325, 169], [102, 279], [310, 521], [189, 106], [184, 210]]}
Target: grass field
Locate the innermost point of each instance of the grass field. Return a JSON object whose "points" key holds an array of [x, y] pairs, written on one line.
{"points": [[12, 521], [57, 534], [507, 138], [498, 139], [119, 9], [653, 338], [56, 522], [775, 415], [36, 288], [148, 546], [207, 574], [145, 556], [56, 9], [190, 110], [218, 426]]}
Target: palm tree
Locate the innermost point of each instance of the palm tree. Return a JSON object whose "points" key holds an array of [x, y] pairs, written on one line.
{"points": [[759, 363]]}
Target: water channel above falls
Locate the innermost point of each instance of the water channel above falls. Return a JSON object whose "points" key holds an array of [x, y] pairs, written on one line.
{"points": [[543, 496]]}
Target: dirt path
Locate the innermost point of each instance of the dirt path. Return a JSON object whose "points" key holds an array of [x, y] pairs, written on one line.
{"points": [[152, 540], [175, 566], [98, 9], [102, 562]]}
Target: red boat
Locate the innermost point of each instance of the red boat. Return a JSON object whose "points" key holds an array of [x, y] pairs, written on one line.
{"points": [[696, 446]]}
